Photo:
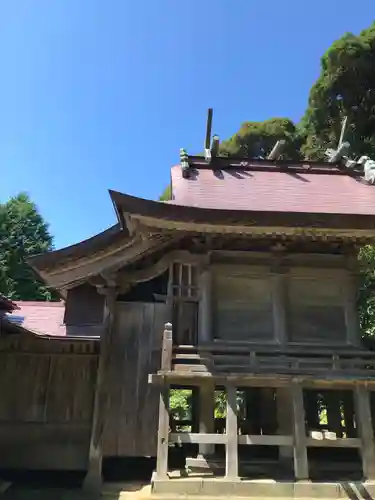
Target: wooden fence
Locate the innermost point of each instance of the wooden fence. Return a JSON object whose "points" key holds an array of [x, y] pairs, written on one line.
{"points": [[46, 399]]}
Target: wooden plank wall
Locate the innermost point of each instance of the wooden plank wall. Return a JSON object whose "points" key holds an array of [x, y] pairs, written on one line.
{"points": [[242, 303], [132, 415], [316, 306], [46, 400], [314, 303]]}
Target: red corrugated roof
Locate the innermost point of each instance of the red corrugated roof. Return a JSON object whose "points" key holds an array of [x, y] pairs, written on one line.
{"points": [[42, 317], [256, 190]]}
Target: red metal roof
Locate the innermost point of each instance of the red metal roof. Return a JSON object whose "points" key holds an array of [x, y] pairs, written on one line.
{"points": [[261, 190], [42, 317]]}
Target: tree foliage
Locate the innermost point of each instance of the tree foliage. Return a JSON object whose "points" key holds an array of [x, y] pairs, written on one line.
{"points": [[258, 138], [23, 233], [345, 87]]}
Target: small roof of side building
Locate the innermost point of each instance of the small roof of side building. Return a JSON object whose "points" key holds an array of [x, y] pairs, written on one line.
{"points": [[233, 196]]}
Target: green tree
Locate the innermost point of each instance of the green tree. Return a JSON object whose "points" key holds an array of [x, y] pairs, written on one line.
{"points": [[166, 194], [258, 138], [345, 87], [23, 233]]}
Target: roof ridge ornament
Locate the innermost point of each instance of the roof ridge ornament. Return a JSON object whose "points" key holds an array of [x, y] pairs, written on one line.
{"points": [[364, 163], [211, 147], [184, 162]]}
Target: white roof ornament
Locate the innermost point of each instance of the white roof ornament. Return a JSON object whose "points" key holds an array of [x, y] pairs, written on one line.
{"points": [[335, 155], [368, 168]]}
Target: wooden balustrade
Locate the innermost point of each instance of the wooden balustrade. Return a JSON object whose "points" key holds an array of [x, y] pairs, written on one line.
{"points": [[224, 358]]}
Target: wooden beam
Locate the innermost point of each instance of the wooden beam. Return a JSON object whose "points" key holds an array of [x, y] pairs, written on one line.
{"points": [[231, 452], [263, 440], [163, 434], [365, 430], [93, 480], [317, 381], [301, 466], [334, 443], [193, 437]]}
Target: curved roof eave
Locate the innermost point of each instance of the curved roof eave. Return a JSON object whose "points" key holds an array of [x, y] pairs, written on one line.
{"points": [[49, 260], [170, 213]]}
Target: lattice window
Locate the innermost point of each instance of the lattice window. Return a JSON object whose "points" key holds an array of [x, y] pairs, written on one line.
{"points": [[184, 292]]}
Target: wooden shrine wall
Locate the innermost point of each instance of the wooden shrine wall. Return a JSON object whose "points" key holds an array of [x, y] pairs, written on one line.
{"points": [[46, 401], [313, 300], [133, 403]]}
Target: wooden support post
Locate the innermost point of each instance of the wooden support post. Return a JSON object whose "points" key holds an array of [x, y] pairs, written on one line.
{"points": [[163, 434], [205, 312], [278, 304], [268, 417], [365, 431], [333, 400], [231, 455], [312, 410], [93, 480], [301, 466], [285, 422], [349, 414], [351, 310], [206, 414]]}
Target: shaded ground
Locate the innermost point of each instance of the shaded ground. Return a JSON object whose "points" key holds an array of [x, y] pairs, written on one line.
{"points": [[129, 491]]}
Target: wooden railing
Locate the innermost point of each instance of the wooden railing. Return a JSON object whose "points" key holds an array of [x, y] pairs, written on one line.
{"points": [[224, 357]]}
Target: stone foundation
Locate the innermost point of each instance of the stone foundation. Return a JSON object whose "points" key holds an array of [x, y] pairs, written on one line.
{"points": [[218, 487]]}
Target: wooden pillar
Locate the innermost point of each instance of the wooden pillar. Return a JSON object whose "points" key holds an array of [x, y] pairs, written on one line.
{"points": [[231, 452], [279, 304], [163, 428], [205, 307], [285, 421], [349, 414], [268, 417], [206, 414], [312, 410], [93, 480], [163, 434], [333, 401], [301, 467], [351, 310], [365, 431]]}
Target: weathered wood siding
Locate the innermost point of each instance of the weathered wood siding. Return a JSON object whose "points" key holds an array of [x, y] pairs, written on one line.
{"points": [[315, 307], [46, 399], [242, 303], [131, 422], [314, 304], [84, 306]]}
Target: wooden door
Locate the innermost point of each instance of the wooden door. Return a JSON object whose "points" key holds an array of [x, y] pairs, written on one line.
{"points": [[132, 415]]}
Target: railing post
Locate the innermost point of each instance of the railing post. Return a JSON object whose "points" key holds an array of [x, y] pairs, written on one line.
{"points": [[166, 356]]}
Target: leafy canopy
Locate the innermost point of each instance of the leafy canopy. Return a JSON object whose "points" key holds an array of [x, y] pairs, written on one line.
{"points": [[23, 233], [345, 87]]}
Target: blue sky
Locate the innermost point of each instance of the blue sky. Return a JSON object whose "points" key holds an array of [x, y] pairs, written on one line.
{"points": [[102, 94]]}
